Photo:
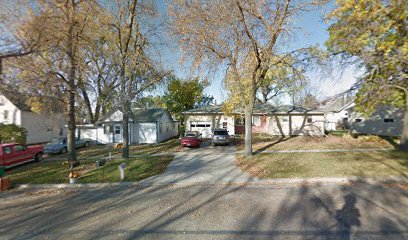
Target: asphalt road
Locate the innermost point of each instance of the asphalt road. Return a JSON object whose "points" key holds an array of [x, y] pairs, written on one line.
{"points": [[204, 196], [356, 211]]}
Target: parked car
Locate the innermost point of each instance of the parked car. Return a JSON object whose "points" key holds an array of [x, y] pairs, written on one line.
{"points": [[59, 145], [191, 139], [12, 154], [220, 137]]}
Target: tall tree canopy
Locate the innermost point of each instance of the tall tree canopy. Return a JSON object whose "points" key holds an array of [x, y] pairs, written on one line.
{"points": [[374, 33], [245, 38]]}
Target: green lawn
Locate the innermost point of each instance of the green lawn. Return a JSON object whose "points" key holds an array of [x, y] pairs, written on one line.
{"points": [[138, 167], [292, 165], [101, 151], [53, 169]]}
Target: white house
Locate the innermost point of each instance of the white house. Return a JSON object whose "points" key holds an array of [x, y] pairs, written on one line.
{"points": [[151, 125], [40, 127], [282, 120], [336, 111]]}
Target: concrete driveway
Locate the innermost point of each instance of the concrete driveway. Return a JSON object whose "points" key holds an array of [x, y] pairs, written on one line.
{"points": [[206, 164]]}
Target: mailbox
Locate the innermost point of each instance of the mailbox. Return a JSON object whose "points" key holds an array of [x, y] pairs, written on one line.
{"points": [[100, 163]]}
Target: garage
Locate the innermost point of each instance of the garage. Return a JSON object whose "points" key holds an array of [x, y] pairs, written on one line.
{"points": [[202, 127]]}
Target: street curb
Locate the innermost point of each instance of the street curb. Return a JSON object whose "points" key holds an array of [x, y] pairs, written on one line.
{"points": [[76, 185], [256, 182]]}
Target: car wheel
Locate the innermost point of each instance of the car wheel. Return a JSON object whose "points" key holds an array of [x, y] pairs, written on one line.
{"points": [[86, 144], [38, 157], [64, 150]]}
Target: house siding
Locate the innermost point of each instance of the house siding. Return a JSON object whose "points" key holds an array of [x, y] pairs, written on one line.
{"points": [[375, 123], [287, 125], [334, 120], [293, 124], [14, 114], [42, 128], [169, 128], [147, 133], [216, 121]]}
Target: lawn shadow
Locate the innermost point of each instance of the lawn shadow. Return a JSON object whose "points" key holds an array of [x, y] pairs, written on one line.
{"points": [[279, 140], [391, 141]]}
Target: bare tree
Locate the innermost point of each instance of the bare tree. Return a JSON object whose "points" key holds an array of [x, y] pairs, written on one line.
{"points": [[247, 37], [56, 31], [136, 70]]}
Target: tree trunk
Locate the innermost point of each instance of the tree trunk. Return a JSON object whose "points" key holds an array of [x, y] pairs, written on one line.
{"points": [[404, 134], [249, 108], [71, 89], [125, 134]]}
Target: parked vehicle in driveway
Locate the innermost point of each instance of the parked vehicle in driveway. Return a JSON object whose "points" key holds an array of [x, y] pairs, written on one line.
{"points": [[59, 145], [12, 154], [220, 137], [191, 139]]}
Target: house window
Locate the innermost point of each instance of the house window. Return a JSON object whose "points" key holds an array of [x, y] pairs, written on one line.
{"points": [[224, 125], [309, 119], [160, 128], [389, 120], [1, 101], [358, 120], [117, 129], [107, 129], [256, 121], [6, 114], [167, 127]]}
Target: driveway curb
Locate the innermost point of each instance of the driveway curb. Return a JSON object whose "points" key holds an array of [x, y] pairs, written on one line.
{"points": [[266, 182]]}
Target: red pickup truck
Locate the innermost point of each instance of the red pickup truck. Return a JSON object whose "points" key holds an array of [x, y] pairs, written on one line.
{"points": [[12, 154]]}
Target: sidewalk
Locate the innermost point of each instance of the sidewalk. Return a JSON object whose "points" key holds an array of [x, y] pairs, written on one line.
{"points": [[324, 150]]}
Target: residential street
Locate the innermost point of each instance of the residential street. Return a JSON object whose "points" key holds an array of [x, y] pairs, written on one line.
{"points": [[203, 195], [357, 211]]}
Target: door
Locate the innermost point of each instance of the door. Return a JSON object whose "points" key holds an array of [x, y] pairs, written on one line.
{"points": [[117, 133], [202, 127]]}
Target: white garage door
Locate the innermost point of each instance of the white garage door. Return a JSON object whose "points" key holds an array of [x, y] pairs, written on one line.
{"points": [[203, 127]]}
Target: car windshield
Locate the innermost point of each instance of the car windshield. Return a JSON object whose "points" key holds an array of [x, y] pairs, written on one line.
{"points": [[220, 133], [191, 135], [57, 141]]}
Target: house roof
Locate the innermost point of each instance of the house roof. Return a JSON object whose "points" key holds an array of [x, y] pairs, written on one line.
{"points": [[148, 115], [18, 99], [336, 104], [259, 108], [140, 114]]}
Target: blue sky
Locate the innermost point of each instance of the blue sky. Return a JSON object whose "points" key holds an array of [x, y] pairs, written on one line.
{"points": [[314, 31]]}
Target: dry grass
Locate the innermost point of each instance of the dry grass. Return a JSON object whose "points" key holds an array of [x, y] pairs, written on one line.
{"points": [[261, 143], [291, 165]]}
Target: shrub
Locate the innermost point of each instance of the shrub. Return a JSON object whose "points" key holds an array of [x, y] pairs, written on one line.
{"points": [[12, 133]]}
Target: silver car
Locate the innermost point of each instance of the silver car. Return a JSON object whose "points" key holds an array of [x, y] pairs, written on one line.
{"points": [[220, 137]]}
